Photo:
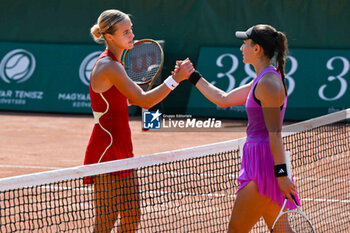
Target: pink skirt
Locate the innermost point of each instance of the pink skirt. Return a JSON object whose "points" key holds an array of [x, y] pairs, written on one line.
{"points": [[258, 166]]}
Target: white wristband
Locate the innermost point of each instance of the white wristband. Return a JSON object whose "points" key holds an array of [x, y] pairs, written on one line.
{"points": [[171, 83]]}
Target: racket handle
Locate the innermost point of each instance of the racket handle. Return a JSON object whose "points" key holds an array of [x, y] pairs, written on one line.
{"points": [[294, 200]]}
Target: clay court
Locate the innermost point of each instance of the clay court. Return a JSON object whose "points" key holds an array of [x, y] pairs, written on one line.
{"points": [[36, 142]]}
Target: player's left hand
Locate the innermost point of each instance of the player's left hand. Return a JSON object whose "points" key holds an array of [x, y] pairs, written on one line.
{"points": [[287, 187]]}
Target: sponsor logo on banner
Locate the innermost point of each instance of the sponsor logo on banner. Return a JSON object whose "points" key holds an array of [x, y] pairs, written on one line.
{"points": [[178, 122], [19, 97], [86, 67], [17, 66], [76, 100], [81, 100]]}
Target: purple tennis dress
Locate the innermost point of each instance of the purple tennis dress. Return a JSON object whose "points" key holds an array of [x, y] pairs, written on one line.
{"points": [[257, 161]]}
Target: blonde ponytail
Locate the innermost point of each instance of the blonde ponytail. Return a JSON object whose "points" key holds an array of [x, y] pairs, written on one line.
{"points": [[96, 34], [106, 24]]}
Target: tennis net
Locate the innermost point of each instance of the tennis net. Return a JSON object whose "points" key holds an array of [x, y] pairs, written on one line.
{"points": [[188, 190]]}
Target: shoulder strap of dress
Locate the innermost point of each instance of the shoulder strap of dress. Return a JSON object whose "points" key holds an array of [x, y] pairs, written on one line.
{"points": [[269, 69], [109, 54]]}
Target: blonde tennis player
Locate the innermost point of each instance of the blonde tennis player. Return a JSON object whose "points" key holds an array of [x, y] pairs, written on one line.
{"points": [[117, 194]]}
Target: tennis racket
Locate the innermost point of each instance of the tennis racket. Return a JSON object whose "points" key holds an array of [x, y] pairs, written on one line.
{"points": [[144, 62], [295, 220]]}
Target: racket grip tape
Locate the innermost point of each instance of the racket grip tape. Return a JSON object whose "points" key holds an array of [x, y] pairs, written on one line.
{"points": [[295, 200]]}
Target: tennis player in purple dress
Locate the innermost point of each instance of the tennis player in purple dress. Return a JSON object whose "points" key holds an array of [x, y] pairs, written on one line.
{"points": [[263, 178]]}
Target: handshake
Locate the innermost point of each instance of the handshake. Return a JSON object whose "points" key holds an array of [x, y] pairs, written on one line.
{"points": [[185, 70]]}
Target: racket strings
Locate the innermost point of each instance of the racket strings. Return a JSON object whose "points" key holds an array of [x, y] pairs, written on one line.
{"points": [[293, 222], [143, 62]]}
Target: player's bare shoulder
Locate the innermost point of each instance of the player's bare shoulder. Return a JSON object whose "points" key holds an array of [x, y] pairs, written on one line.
{"points": [[270, 90], [108, 63], [107, 66], [271, 83]]}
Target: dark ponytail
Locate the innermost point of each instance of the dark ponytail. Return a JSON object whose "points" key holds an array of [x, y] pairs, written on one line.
{"points": [[281, 49], [273, 42]]}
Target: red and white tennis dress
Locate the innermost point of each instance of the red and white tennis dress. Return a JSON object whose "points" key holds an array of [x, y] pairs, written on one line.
{"points": [[111, 135]]}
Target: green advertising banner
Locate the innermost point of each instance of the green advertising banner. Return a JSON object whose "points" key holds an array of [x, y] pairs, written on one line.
{"points": [[55, 78], [317, 81], [46, 77]]}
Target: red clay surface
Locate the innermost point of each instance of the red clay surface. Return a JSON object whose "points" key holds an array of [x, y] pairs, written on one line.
{"points": [[36, 142]]}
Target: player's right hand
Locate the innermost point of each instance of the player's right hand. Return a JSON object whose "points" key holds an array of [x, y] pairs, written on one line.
{"points": [[183, 70]]}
